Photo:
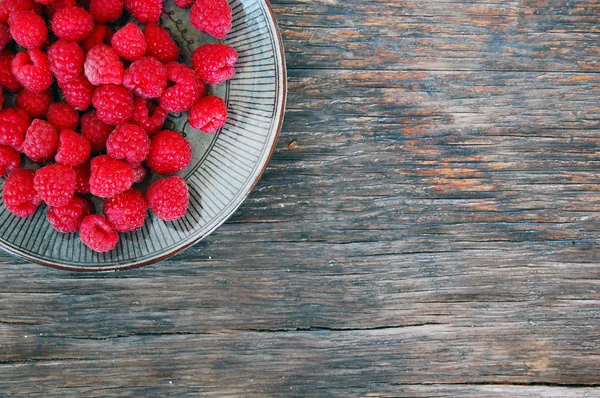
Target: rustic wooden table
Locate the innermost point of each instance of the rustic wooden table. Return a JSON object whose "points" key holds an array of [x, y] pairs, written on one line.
{"points": [[435, 231]]}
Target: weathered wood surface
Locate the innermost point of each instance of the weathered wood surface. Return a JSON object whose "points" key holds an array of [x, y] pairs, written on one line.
{"points": [[434, 233]]}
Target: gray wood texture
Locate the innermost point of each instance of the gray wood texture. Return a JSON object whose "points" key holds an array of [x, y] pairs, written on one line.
{"points": [[434, 232]]}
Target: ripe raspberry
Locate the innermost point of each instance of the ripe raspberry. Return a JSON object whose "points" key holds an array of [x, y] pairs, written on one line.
{"points": [[129, 42], [103, 66], [209, 114], [183, 88], [140, 173], [101, 34], [68, 218], [214, 63], [7, 79], [44, 2], [72, 23], [146, 11], [114, 104], [184, 3], [56, 5], [168, 198], [5, 37], [128, 142], [73, 149], [13, 125], [78, 92], [148, 115], [147, 78], [9, 7], [41, 141], [98, 234], [127, 211], [10, 160], [19, 195], [212, 17], [169, 153], [32, 70], [28, 29], [63, 116], [95, 131], [35, 104], [55, 184], [160, 44], [82, 184], [109, 176], [66, 60], [103, 11]]}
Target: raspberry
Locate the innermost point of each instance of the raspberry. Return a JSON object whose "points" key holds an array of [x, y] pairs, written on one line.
{"points": [[148, 115], [104, 11], [72, 23], [10, 160], [212, 17], [109, 176], [55, 184], [183, 88], [146, 11], [7, 79], [44, 2], [184, 3], [129, 42], [168, 198], [19, 195], [82, 184], [101, 34], [66, 60], [160, 44], [128, 142], [140, 173], [114, 104], [214, 63], [98, 234], [63, 116], [28, 29], [127, 211], [9, 7], [208, 115], [73, 149], [35, 104], [169, 153], [147, 78], [41, 141], [78, 92], [32, 70], [95, 131], [5, 37], [68, 218], [13, 126], [56, 5], [103, 66]]}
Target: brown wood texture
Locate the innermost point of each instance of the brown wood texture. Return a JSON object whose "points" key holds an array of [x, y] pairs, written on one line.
{"points": [[433, 232]]}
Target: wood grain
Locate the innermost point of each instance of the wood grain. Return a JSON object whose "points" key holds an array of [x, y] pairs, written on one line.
{"points": [[434, 232]]}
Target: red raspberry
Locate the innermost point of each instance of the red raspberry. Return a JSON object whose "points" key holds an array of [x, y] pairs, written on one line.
{"points": [[19, 195], [44, 2], [129, 42], [63, 116], [95, 131], [212, 17], [72, 23], [109, 176], [7, 79], [9, 7], [68, 218], [168, 198], [5, 37], [56, 5], [55, 184], [169, 153], [128, 142], [114, 104], [35, 104], [215, 63], [13, 125], [78, 92], [98, 234], [73, 149], [82, 184], [184, 3], [101, 34], [104, 11], [28, 29], [103, 66], [127, 211], [183, 88], [10, 160], [160, 44], [146, 11], [66, 60], [32, 70], [140, 173], [148, 115], [41, 141], [147, 78], [209, 114]]}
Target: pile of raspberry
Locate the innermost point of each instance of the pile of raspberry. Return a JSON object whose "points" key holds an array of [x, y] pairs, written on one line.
{"points": [[90, 102]]}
